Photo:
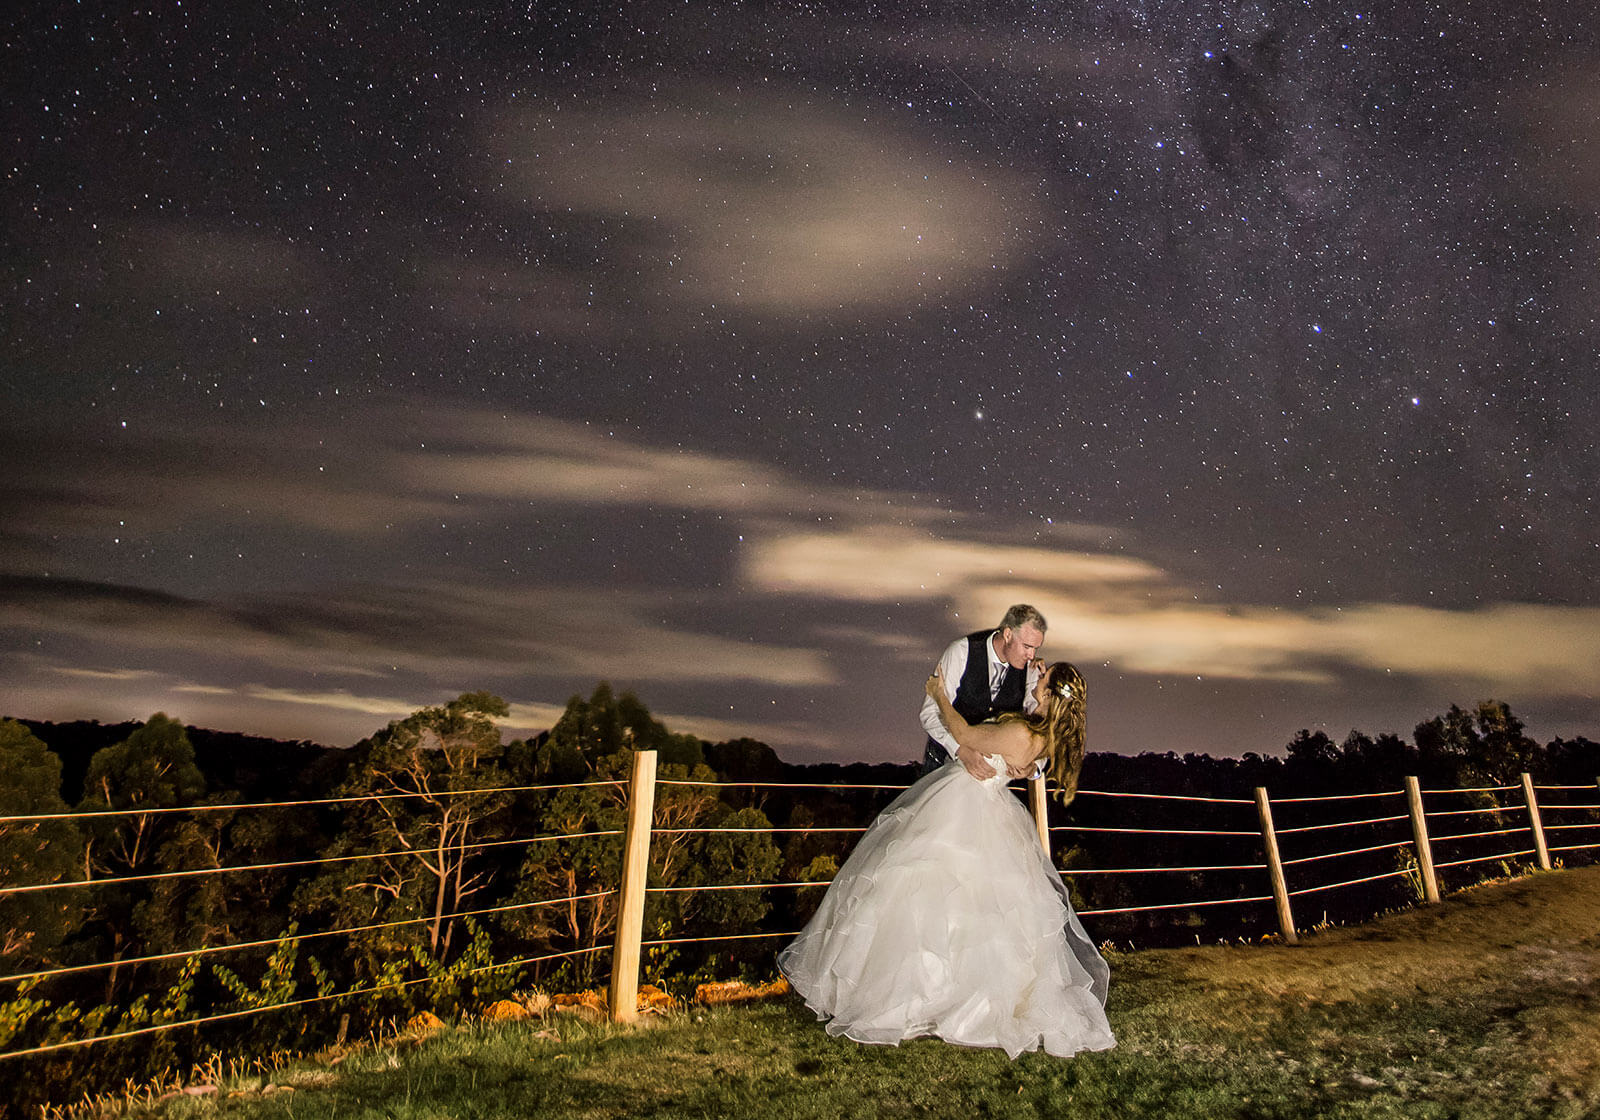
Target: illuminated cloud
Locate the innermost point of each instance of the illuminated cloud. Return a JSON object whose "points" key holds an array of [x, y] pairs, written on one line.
{"points": [[888, 564], [473, 634], [1132, 615], [104, 674], [784, 204], [452, 621]]}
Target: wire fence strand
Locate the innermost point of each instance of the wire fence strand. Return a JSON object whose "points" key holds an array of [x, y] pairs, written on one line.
{"points": [[1175, 905], [1484, 859], [1339, 824], [1351, 852], [208, 950], [192, 872], [156, 810]]}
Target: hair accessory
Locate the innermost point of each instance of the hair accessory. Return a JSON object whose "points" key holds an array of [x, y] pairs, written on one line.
{"points": [[1064, 690]]}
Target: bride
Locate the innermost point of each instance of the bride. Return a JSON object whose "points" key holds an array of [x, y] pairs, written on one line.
{"points": [[948, 919]]}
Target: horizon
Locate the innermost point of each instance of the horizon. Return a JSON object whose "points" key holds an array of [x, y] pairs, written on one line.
{"points": [[511, 732]]}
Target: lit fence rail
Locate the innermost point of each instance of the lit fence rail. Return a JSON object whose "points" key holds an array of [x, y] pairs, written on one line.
{"points": [[1327, 855]]}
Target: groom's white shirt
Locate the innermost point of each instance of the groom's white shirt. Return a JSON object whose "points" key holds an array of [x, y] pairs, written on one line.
{"points": [[951, 667]]}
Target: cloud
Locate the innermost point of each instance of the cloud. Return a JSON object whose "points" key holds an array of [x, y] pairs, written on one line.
{"points": [[1133, 615], [497, 457], [452, 631], [443, 466], [890, 563], [455, 623], [784, 203], [104, 674]]}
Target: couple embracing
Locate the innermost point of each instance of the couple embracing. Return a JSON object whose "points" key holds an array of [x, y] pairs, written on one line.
{"points": [[948, 919]]}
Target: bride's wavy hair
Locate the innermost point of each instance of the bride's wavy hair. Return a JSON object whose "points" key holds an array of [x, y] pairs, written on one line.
{"points": [[1062, 727]]}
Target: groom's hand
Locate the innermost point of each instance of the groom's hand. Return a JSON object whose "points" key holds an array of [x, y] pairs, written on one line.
{"points": [[976, 764]]}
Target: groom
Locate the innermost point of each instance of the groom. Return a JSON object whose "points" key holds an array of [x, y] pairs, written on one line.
{"points": [[985, 674]]}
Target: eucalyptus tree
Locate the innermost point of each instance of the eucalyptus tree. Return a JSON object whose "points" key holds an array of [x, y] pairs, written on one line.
{"points": [[34, 852]]}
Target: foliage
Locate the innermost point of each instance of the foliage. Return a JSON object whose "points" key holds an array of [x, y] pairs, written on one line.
{"points": [[152, 769], [429, 788], [33, 924]]}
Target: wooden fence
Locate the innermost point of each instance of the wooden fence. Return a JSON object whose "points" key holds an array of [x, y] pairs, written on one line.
{"points": [[1514, 816]]}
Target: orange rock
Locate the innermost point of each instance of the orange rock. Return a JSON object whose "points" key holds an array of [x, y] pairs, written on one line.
{"points": [[653, 999], [737, 991], [590, 998], [506, 1010], [586, 1005], [424, 1022]]}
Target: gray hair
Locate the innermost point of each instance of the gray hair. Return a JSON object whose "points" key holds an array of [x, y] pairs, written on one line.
{"points": [[1024, 615]]}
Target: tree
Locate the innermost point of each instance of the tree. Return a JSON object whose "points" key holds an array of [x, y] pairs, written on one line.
{"points": [[153, 768], [553, 914], [733, 857], [595, 739], [431, 777], [1312, 749], [1484, 745], [34, 852]]}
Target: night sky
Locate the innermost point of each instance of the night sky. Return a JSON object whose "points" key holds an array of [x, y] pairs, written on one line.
{"points": [[358, 355]]}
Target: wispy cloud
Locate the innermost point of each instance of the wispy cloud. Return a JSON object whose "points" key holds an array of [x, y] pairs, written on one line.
{"points": [[104, 674], [1132, 614], [786, 203], [1109, 599]]}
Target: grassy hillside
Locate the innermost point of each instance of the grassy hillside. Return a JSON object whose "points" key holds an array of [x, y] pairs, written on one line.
{"points": [[1486, 1006]]}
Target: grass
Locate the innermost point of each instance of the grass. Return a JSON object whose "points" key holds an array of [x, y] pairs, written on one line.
{"points": [[1482, 1008]]}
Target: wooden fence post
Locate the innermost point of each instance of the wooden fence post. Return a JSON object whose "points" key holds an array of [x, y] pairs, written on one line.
{"points": [[1534, 821], [1041, 812], [630, 895], [1419, 833], [1280, 889]]}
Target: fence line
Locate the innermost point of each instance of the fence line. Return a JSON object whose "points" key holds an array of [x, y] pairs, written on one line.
{"points": [[153, 810], [736, 886], [1339, 824], [1337, 797], [1485, 859], [640, 830], [1351, 852], [1350, 882], [1470, 835], [1071, 871], [1174, 906], [1165, 797], [207, 950], [773, 785], [1154, 831], [194, 872]]}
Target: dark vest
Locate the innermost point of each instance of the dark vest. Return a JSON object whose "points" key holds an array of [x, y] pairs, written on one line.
{"points": [[972, 694]]}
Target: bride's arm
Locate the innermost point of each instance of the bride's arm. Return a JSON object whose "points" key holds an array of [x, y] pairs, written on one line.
{"points": [[1010, 740]]}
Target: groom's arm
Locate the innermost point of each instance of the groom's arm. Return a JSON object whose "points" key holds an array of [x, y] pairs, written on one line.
{"points": [[951, 665]]}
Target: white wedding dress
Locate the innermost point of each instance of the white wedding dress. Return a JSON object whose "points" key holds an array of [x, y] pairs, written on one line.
{"points": [[948, 920]]}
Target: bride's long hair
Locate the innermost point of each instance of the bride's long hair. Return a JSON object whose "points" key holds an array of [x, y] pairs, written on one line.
{"points": [[1061, 726]]}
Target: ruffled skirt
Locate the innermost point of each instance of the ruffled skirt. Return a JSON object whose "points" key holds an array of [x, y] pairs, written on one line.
{"points": [[948, 920]]}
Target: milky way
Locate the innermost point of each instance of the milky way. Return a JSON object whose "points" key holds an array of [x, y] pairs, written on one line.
{"points": [[743, 356]]}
